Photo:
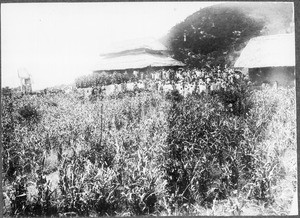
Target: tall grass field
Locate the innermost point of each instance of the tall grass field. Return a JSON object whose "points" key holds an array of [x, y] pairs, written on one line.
{"points": [[147, 153]]}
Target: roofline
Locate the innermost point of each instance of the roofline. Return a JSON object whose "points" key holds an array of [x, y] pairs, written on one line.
{"points": [[95, 71], [132, 51]]}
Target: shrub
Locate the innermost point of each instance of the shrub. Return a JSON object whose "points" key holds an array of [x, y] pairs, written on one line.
{"points": [[28, 113], [174, 96]]}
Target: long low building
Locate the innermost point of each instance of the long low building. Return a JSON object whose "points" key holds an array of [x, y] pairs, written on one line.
{"points": [[139, 60], [269, 59], [142, 56]]}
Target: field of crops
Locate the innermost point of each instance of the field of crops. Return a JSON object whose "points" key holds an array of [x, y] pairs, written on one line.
{"points": [[141, 153]]}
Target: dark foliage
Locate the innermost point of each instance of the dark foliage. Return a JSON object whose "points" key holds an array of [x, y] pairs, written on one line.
{"points": [[28, 113], [98, 80], [216, 35]]}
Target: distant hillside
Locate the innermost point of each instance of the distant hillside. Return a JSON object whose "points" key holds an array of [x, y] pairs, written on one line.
{"points": [[215, 35]]}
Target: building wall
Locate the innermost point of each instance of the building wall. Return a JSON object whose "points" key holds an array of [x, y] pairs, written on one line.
{"points": [[284, 76]]}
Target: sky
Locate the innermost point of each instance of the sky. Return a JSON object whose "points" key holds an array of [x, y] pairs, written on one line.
{"points": [[58, 42]]}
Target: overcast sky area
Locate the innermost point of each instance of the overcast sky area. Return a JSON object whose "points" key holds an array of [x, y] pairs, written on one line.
{"points": [[57, 42]]}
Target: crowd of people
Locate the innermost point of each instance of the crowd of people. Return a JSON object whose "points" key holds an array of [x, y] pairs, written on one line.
{"points": [[186, 81]]}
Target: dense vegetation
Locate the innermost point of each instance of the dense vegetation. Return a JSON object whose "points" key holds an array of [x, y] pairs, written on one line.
{"points": [[140, 153], [96, 79], [215, 35]]}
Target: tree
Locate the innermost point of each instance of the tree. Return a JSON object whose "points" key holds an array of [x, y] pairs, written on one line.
{"points": [[216, 35]]}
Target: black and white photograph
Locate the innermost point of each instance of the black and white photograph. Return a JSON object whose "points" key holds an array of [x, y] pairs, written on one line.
{"points": [[171, 108]]}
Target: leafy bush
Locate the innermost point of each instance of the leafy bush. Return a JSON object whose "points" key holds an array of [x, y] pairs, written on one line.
{"points": [[28, 113]]}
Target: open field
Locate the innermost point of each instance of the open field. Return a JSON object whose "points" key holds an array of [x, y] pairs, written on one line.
{"points": [[149, 109], [146, 153]]}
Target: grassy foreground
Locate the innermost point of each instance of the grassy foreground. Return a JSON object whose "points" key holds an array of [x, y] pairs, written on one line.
{"points": [[146, 153]]}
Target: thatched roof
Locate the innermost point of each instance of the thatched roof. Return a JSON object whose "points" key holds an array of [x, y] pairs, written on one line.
{"points": [[268, 51], [135, 44], [136, 61]]}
